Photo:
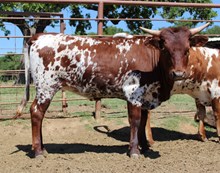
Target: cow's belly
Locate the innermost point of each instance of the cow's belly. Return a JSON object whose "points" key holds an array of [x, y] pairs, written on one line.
{"points": [[49, 82], [127, 88], [95, 86], [93, 92], [202, 96]]}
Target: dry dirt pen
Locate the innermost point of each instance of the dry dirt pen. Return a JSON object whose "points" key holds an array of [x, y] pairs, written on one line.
{"points": [[78, 143]]}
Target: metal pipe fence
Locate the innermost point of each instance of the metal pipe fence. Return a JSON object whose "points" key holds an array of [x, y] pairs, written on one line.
{"points": [[11, 94], [122, 2]]}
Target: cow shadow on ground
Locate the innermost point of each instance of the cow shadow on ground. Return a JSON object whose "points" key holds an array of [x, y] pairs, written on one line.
{"points": [[78, 148], [159, 134], [122, 134], [74, 148]]}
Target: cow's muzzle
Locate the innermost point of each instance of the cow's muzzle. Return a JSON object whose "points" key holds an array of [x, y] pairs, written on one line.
{"points": [[178, 75]]}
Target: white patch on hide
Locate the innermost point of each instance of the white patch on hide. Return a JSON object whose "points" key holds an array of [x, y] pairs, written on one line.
{"points": [[214, 88], [123, 47], [208, 54], [141, 96], [123, 35]]}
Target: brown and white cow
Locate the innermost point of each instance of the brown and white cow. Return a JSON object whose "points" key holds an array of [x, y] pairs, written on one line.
{"points": [[202, 83], [140, 70]]}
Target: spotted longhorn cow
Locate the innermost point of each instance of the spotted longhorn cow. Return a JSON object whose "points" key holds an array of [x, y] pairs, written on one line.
{"points": [[202, 82], [140, 70]]}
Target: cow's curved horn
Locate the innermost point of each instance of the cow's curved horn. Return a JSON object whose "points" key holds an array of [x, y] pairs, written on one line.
{"points": [[194, 31], [151, 31]]}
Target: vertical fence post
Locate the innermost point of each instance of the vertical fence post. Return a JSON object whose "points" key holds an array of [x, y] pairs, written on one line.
{"points": [[100, 17], [97, 109], [100, 32], [64, 102]]}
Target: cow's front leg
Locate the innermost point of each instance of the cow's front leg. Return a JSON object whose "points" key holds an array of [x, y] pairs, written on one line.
{"points": [[134, 118], [216, 112], [37, 115], [201, 113]]}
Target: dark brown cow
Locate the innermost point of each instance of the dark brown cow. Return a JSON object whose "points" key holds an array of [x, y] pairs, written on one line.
{"points": [[140, 70], [202, 83]]}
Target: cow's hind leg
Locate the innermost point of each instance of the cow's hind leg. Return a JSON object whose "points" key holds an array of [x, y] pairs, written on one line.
{"points": [[216, 112], [201, 113], [37, 114], [134, 118], [148, 129], [143, 142]]}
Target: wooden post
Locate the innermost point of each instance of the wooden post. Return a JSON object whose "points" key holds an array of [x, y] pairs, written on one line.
{"points": [[97, 109], [64, 102], [100, 32], [100, 16]]}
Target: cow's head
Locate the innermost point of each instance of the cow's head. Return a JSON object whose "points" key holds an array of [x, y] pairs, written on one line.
{"points": [[176, 42]]}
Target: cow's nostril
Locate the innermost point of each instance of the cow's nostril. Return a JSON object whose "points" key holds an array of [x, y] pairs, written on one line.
{"points": [[178, 73]]}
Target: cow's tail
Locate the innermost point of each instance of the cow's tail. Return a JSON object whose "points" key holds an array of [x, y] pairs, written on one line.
{"points": [[26, 96]]}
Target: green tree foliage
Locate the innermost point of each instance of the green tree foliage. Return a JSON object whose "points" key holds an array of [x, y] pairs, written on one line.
{"points": [[10, 62], [144, 12], [113, 11], [111, 30], [214, 30], [28, 26], [110, 11], [82, 25], [187, 13]]}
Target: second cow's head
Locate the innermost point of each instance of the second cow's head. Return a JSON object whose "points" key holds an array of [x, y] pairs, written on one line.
{"points": [[177, 42]]}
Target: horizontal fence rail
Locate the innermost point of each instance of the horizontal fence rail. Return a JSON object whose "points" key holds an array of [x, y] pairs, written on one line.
{"points": [[112, 19], [120, 2], [11, 94]]}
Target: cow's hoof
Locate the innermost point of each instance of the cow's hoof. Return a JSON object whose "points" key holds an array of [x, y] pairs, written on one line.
{"points": [[151, 143], [134, 153], [39, 157], [134, 156], [42, 154], [45, 153], [202, 138], [205, 139]]}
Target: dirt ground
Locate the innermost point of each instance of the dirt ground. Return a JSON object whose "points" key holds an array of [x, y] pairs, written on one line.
{"points": [[80, 145]]}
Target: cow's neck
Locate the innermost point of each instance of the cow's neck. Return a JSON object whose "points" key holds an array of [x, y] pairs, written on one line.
{"points": [[166, 81]]}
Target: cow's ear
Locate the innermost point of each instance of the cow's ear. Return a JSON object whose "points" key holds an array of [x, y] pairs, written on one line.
{"points": [[153, 41], [198, 40]]}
